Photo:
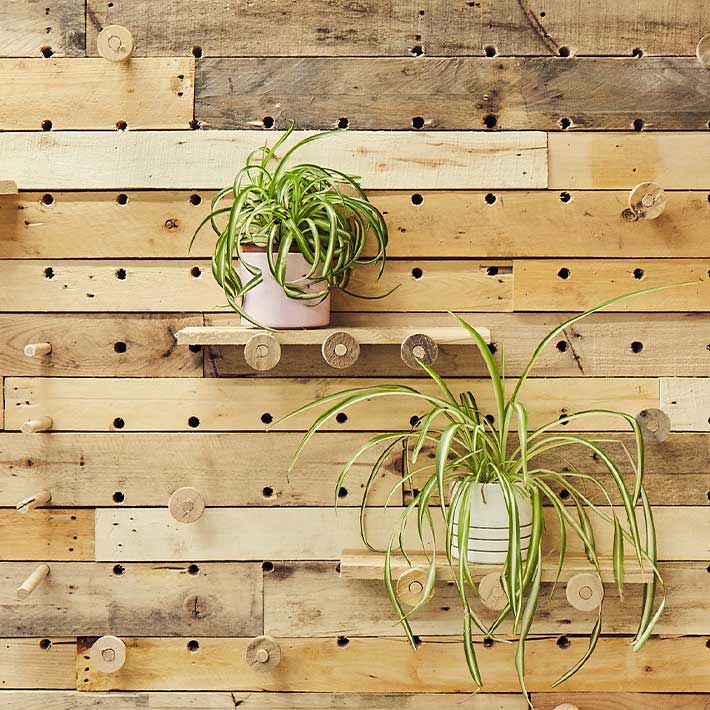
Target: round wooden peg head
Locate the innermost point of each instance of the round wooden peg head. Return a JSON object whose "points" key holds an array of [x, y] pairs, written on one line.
{"points": [[655, 424], [491, 592], [418, 347], [34, 426], [703, 51], [37, 349], [262, 351], [340, 350], [585, 591], [647, 200], [186, 505], [115, 43], [263, 654], [108, 654], [410, 586]]}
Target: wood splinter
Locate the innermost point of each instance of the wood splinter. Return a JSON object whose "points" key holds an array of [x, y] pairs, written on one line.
{"points": [[647, 200], [32, 582], [37, 349], [115, 43], [35, 501], [34, 426], [108, 654], [340, 350], [186, 505], [263, 654]]}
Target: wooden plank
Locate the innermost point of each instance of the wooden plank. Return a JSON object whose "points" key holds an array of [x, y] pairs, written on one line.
{"points": [[598, 346], [167, 404], [144, 534], [396, 28], [304, 599], [27, 27], [390, 665], [458, 223], [452, 93], [624, 701], [206, 159], [98, 599], [89, 469], [576, 284], [59, 700], [604, 161], [100, 345], [684, 400], [160, 286], [32, 663], [38, 90], [47, 534]]}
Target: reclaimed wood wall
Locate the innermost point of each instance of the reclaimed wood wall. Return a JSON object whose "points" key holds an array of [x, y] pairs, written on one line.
{"points": [[501, 140]]}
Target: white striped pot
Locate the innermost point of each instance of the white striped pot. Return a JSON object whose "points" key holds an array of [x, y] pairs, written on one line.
{"points": [[488, 528]]}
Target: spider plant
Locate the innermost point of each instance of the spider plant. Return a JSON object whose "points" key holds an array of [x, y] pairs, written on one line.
{"points": [[471, 448], [280, 208]]}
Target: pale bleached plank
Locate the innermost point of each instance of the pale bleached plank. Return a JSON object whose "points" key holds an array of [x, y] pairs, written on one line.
{"points": [[687, 402], [624, 701], [143, 93], [167, 404], [100, 345], [390, 665], [144, 534], [576, 284], [160, 286], [604, 161], [460, 223], [204, 159], [89, 469], [24, 663], [47, 534], [127, 599], [304, 599]]}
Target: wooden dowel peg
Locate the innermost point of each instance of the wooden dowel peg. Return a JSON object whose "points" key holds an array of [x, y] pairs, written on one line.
{"points": [[703, 51], [186, 505], [115, 43], [418, 347], [38, 499], [566, 706], [37, 349], [108, 654], [647, 200], [262, 352], [263, 654], [340, 350], [410, 586], [34, 426], [491, 592], [32, 582], [585, 592], [655, 424], [8, 187]]}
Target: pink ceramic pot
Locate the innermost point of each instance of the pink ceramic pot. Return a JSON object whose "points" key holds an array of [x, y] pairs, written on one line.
{"points": [[268, 305]]}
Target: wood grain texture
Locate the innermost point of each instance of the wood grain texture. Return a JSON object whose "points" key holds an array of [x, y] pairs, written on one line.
{"points": [[453, 93], [26, 664], [170, 600], [27, 27], [94, 345], [575, 284], [59, 700], [458, 223], [88, 469], [209, 159], [390, 665], [47, 534], [604, 161], [624, 701], [304, 599], [685, 400], [143, 93], [145, 534], [438, 27], [167, 404]]}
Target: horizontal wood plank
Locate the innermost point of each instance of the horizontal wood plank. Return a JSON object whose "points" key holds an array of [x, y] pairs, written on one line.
{"points": [[452, 93], [576, 284], [100, 345], [27, 27], [604, 161], [390, 665], [624, 701], [210, 159], [169, 600], [685, 400], [38, 90], [168, 404], [47, 534], [31, 663], [89, 469]]}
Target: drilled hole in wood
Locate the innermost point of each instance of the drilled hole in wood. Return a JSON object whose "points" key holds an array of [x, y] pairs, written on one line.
{"points": [[563, 273], [561, 346], [543, 13], [565, 197], [196, 272], [47, 51], [490, 418], [417, 122], [492, 348], [193, 422], [193, 569], [417, 199], [118, 496], [638, 124], [564, 51], [195, 199], [636, 346], [491, 271], [342, 492], [268, 121], [417, 50], [119, 347], [121, 125], [488, 642], [343, 641], [266, 418], [637, 52], [707, 644], [193, 646], [639, 274], [194, 348], [490, 198], [267, 566], [197, 51], [563, 642], [490, 50], [118, 423], [267, 491], [194, 124], [565, 123], [47, 199], [118, 570], [417, 641], [413, 421], [564, 494], [45, 644], [49, 273], [341, 417], [490, 121], [417, 273], [343, 122], [46, 125], [122, 199]]}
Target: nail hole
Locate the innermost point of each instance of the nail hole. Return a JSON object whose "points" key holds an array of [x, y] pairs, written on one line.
{"points": [[47, 199], [119, 347], [564, 273], [565, 123], [46, 125], [417, 273], [490, 198], [193, 646], [267, 491], [413, 421], [268, 121], [488, 642], [561, 346], [193, 569], [638, 124], [47, 51], [121, 274], [342, 492], [122, 199], [636, 346], [118, 497], [565, 197], [639, 274], [490, 418], [343, 122], [118, 423], [121, 125], [196, 272], [564, 494], [195, 199], [266, 418], [564, 51], [490, 50], [490, 121], [118, 570], [45, 644], [417, 122], [563, 642], [193, 422], [341, 417], [343, 641], [49, 273], [417, 199], [267, 566], [194, 348], [637, 52], [417, 50], [197, 52]]}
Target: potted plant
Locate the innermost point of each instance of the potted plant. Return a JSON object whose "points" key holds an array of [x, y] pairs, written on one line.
{"points": [[484, 479], [296, 231]]}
